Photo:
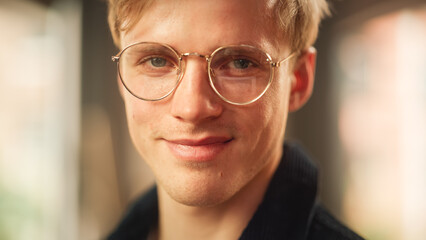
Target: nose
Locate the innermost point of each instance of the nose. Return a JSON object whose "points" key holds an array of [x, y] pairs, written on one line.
{"points": [[194, 101]]}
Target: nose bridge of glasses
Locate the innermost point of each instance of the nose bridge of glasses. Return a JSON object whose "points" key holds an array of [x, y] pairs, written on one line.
{"points": [[196, 55]]}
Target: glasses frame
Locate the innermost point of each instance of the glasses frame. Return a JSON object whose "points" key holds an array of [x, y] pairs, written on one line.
{"points": [[181, 69]]}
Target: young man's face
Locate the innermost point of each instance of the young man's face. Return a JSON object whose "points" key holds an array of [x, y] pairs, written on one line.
{"points": [[201, 149]]}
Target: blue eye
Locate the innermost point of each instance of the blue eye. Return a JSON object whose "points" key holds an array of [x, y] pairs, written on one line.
{"points": [[158, 62]]}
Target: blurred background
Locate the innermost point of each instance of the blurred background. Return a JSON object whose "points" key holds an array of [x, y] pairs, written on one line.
{"points": [[68, 169]]}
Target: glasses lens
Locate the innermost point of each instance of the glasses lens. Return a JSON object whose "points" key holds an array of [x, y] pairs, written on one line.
{"points": [[240, 74], [149, 71]]}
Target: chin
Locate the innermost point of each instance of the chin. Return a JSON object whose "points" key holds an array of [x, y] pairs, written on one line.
{"points": [[199, 201], [201, 193]]}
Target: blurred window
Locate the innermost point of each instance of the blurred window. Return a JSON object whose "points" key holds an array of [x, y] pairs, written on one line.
{"points": [[39, 120], [381, 77]]}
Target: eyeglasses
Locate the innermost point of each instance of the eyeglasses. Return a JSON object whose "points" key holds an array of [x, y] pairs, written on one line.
{"points": [[238, 74]]}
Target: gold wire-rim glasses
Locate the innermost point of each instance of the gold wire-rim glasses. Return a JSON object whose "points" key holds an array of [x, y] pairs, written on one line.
{"points": [[208, 58]]}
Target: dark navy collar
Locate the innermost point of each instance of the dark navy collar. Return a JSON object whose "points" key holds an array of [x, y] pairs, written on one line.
{"points": [[287, 206]]}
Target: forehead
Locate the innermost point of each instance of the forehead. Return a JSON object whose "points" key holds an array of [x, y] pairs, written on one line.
{"points": [[191, 25]]}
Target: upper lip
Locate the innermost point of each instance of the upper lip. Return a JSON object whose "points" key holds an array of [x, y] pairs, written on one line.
{"points": [[202, 141]]}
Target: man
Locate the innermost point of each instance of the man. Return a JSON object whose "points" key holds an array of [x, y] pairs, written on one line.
{"points": [[207, 87]]}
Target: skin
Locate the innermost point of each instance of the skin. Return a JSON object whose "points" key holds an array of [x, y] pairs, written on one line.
{"points": [[213, 197]]}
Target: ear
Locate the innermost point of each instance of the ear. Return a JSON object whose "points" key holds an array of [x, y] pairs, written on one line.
{"points": [[302, 79]]}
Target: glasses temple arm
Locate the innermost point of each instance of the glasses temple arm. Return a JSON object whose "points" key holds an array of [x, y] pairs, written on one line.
{"points": [[277, 64], [115, 58]]}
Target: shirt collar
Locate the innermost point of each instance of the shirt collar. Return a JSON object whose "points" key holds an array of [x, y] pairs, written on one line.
{"points": [[286, 209]]}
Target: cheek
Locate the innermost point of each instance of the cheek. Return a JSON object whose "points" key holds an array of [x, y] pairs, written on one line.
{"points": [[141, 117], [135, 112], [282, 83], [275, 106], [266, 118], [139, 112], [277, 95]]}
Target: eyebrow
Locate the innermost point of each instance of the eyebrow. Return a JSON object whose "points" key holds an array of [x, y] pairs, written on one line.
{"points": [[211, 49], [250, 43]]}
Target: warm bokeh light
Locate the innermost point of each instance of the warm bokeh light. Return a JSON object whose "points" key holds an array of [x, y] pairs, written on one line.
{"points": [[382, 124], [39, 90]]}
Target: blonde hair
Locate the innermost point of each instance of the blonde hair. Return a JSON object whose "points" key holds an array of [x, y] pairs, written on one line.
{"points": [[298, 19]]}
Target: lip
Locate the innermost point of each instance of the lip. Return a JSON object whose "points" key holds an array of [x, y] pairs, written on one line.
{"points": [[198, 150]]}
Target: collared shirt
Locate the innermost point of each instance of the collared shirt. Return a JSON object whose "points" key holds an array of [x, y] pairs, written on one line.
{"points": [[289, 209]]}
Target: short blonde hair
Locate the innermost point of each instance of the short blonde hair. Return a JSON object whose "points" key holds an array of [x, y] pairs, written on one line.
{"points": [[298, 19]]}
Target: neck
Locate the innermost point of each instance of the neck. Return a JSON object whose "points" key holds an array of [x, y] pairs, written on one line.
{"points": [[226, 220]]}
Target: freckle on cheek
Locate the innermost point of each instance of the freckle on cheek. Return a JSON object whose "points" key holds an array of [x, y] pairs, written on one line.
{"points": [[137, 117]]}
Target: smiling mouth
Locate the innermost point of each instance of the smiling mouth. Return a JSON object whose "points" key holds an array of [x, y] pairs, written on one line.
{"points": [[202, 150]]}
